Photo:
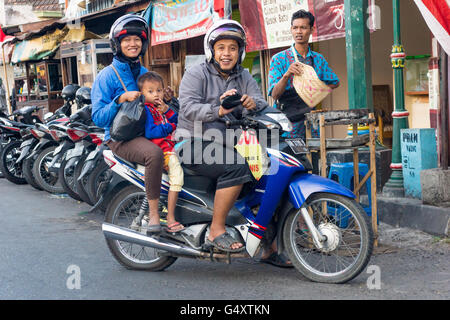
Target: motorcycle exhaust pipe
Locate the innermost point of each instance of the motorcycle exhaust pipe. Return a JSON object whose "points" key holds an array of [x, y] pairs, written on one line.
{"points": [[114, 232]]}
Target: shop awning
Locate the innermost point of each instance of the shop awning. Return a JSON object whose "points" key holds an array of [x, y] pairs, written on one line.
{"points": [[78, 35], [46, 45]]}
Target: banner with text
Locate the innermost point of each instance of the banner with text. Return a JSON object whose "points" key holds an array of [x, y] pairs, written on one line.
{"points": [[174, 20], [267, 22]]}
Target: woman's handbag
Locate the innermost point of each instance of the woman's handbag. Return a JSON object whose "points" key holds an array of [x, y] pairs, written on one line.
{"points": [[308, 86], [129, 121]]}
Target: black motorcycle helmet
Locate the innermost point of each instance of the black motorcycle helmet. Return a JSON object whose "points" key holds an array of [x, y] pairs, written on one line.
{"points": [[83, 96], [129, 24], [84, 115], [69, 91]]}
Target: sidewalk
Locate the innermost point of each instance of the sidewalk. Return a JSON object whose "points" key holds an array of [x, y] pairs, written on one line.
{"points": [[411, 213]]}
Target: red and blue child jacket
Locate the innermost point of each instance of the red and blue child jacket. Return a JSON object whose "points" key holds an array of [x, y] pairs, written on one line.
{"points": [[159, 127]]}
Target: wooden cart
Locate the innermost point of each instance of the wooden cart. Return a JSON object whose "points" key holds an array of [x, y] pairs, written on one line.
{"points": [[355, 117]]}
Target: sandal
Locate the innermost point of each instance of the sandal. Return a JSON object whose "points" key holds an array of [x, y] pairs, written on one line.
{"points": [[174, 227], [278, 260], [224, 243]]}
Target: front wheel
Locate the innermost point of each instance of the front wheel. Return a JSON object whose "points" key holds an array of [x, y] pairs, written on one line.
{"points": [[49, 181], [123, 209], [8, 166], [27, 168], [348, 245]]}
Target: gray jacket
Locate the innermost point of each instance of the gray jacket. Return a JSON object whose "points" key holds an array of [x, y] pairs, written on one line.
{"points": [[200, 90]]}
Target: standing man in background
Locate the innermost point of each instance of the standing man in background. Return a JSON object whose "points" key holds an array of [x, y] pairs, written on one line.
{"points": [[283, 67]]}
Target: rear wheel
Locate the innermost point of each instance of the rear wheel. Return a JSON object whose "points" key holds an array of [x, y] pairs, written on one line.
{"points": [[349, 239], [8, 166], [121, 212]]}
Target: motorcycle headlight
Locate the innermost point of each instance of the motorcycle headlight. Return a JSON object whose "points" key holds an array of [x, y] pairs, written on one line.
{"points": [[270, 125], [282, 120]]}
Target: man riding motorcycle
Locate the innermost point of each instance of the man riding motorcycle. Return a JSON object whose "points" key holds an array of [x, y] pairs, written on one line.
{"points": [[202, 90]]}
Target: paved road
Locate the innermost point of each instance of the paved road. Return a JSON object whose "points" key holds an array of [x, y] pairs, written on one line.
{"points": [[46, 240]]}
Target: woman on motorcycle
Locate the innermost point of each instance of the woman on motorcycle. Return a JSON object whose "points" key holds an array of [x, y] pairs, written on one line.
{"points": [[129, 40]]}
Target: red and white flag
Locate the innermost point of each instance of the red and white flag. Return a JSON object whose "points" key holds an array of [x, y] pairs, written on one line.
{"points": [[4, 37], [437, 16]]}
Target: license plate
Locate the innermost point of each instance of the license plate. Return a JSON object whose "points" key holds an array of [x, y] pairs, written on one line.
{"points": [[297, 145], [91, 155]]}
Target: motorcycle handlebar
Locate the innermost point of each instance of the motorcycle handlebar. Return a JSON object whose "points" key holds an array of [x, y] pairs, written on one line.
{"points": [[243, 122], [78, 124], [86, 127]]}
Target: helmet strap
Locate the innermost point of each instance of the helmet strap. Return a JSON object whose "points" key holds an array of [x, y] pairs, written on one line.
{"points": [[218, 68], [122, 58]]}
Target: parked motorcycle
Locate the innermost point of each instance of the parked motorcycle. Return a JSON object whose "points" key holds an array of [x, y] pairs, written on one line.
{"points": [[11, 139], [44, 162], [89, 142], [323, 230], [31, 137]]}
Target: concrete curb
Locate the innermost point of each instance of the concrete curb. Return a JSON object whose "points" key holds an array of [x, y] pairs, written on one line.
{"points": [[412, 213]]}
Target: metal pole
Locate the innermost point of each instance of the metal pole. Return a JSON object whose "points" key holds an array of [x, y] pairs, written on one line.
{"points": [[394, 186], [444, 108], [359, 69], [6, 80]]}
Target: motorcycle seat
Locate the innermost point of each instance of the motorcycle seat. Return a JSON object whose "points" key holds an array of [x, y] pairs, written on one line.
{"points": [[189, 172], [128, 163], [20, 124]]}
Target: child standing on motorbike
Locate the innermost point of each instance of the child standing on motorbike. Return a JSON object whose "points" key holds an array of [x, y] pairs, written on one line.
{"points": [[160, 123]]}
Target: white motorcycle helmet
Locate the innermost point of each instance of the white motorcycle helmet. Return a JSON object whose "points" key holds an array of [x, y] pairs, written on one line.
{"points": [[224, 29]]}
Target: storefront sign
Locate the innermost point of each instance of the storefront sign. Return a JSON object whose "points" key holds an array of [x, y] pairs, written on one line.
{"points": [[418, 153], [174, 20], [267, 22]]}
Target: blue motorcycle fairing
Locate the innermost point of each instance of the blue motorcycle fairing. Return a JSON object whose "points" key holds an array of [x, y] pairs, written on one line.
{"points": [[305, 184], [268, 192]]}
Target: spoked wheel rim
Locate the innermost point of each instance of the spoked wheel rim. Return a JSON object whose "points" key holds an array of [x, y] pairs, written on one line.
{"points": [[344, 243], [47, 177], [124, 215], [14, 168]]}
